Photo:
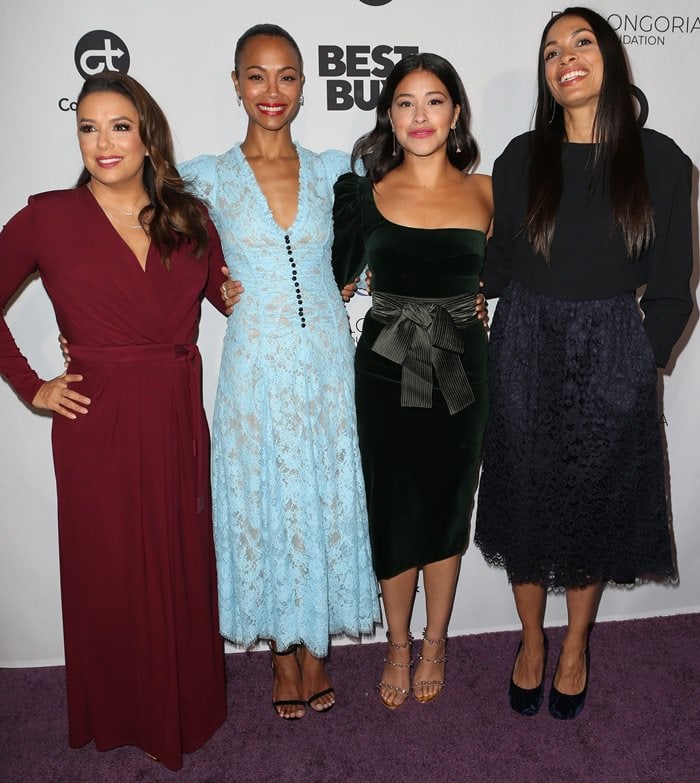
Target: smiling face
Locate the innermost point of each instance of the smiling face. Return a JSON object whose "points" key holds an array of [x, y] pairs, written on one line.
{"points": [[109, 138], [422, 113], [573, 63], [269, 81]]}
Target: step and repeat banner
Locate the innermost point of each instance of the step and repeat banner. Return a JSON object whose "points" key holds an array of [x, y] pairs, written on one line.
{"points": [[182, 52]]}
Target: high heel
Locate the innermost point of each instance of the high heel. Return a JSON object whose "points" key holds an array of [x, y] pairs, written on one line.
{"points": [[565, 706], [318, 696], [527, 701], [395, 688], [422, 684], [286, 702]]}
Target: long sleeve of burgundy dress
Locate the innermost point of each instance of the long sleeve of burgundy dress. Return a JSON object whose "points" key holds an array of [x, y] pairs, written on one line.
{"points": [[144, 660]]}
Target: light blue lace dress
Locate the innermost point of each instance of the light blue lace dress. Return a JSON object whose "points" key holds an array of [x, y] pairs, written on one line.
{"points": [[290, 520]]}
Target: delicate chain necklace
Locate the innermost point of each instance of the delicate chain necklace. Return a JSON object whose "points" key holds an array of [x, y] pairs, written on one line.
{"points": [[113, 217], [116, 219]]}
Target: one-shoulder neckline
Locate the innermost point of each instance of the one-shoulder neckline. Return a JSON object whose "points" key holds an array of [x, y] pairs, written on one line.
{"points": [[415, 228]]}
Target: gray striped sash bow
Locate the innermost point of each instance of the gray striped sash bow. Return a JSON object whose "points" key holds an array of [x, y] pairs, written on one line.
{"points": [[420, 334]]}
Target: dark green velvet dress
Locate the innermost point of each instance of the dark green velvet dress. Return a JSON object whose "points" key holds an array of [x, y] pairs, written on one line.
{"points": [[420, 437]]}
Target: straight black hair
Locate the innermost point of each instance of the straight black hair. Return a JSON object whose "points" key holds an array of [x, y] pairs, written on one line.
{"points": [[619, 156]]}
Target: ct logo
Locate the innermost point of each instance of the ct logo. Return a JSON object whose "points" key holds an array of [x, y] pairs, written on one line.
{"points": [[100, 50], [375, 2]]}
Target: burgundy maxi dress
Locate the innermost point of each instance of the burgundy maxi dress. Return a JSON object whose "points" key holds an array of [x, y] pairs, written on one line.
{"points": [[144, 660]]}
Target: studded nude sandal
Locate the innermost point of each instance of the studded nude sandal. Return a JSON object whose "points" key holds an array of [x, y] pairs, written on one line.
{"points": [[419, 686], [385, 686]]}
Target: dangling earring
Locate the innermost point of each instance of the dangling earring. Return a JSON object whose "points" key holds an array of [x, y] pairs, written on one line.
{"points": [[454, 130], [394, 152], [554, 110], [301, 100], [238, 99]]}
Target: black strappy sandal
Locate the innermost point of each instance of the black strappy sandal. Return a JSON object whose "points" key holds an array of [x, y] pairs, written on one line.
{"points": [[318, 696], [286, 702]]}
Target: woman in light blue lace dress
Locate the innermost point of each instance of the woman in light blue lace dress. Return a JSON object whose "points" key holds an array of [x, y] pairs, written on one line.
{"points": [[290, 520]]}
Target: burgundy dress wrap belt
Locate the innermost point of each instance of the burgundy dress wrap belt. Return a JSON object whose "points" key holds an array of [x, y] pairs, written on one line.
{"points": [[187, 354]]}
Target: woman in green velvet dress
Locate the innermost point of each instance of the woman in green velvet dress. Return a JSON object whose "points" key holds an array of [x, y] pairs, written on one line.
{"points": [[419, 221]]}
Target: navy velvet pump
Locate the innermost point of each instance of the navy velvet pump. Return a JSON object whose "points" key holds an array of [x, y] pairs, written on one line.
{"points": [[565, 706], [527, 701]]}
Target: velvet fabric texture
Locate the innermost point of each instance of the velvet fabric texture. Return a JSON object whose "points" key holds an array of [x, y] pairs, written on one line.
{"points": [[420, 464]]}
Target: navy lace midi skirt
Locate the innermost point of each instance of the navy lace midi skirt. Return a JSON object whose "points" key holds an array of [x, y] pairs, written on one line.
{"points": [[573, 481]]}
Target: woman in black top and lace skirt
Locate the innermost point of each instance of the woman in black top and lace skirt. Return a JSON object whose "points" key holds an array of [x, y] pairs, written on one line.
{"points": [[588, 208]]}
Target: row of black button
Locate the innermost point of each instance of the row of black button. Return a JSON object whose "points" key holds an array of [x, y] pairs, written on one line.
{"points": [[293, 267]]}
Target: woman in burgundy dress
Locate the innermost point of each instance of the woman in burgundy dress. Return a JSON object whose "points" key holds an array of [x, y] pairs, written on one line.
{"points": [[126, 258]]}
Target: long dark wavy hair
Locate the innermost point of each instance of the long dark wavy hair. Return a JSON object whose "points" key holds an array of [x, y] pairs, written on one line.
{"points": [[173, 216], [375, 149], [619, 157], [265, 29]]}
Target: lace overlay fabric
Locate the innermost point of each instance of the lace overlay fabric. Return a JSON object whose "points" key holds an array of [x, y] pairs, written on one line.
{"points": [[572, 488], [290, 517]]}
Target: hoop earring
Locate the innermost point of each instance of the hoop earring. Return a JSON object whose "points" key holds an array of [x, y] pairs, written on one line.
{"points": [[238, 99], [454, 131], [301, 100]]}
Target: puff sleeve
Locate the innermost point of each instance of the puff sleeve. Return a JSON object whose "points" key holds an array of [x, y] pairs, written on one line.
{"points": [[199, 175], [348, 233], [335, 164]]}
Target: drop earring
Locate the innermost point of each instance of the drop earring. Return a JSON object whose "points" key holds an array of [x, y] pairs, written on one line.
{"points": [[394, 151], [554, 110], [301, 100], [457, 147], [238, 99]]}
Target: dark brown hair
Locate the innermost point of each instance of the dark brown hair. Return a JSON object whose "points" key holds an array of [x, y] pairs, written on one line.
{"points": [[619, 156], [174, 216], [375, 149]]}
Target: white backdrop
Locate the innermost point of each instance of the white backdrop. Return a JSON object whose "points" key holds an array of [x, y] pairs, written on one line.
{"points": [[182, 52]]}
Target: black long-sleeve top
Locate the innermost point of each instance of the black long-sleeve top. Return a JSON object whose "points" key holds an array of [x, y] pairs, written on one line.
{"points": [[588, 259]]}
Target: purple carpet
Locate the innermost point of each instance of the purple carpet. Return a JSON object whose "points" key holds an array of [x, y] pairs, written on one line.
{"points": [[641, 723]]}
